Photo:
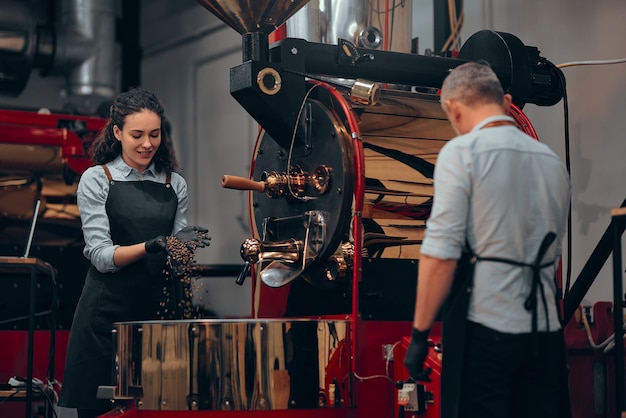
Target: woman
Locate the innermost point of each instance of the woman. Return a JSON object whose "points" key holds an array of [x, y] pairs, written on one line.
{"points": [[128, 202]]}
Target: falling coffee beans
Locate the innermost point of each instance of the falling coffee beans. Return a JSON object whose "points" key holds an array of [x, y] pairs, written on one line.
{"points": [[179, 271]]}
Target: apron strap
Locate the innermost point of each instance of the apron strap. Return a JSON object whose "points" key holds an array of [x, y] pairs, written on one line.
{"points": [[530, 304], [107, 172]]}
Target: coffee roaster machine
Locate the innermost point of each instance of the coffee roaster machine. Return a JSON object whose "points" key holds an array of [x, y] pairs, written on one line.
{"points": [[339, 191]]}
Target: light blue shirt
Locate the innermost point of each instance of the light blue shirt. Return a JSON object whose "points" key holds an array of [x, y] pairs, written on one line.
{"points": [[504, 191], [93, 189]]}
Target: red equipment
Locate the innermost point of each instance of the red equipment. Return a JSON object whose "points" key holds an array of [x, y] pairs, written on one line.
{"points": [[45, 143], [421, 398], [588, 336], [41, 156]]}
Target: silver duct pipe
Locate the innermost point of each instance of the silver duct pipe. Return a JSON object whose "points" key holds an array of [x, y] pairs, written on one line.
{"points": [[80, 46], [365, 23], [86, 47]]}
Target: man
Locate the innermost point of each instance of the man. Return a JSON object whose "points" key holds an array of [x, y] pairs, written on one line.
{"points": [[501, 199]]}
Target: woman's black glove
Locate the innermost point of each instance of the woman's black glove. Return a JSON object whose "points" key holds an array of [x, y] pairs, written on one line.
{"points": [[156, 245], [416, 354], [194, 236], [191, 236]]}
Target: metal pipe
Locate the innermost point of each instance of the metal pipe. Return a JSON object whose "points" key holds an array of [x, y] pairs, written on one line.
{"points": [[129, 35], [82, 48], [408, 69], [86, 47]]}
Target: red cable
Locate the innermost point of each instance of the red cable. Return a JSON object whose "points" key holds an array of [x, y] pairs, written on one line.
{"points": [[359, 168], [522, 121]]}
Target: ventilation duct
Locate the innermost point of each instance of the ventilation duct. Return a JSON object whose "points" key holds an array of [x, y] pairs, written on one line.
{"points": [[79, 45]]}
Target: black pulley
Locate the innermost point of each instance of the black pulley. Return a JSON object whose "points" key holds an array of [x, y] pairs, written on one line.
{"points": [[524, 74]]}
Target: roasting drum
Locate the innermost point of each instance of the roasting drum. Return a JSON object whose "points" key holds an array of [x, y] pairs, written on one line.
{"points": [[233, 365]]}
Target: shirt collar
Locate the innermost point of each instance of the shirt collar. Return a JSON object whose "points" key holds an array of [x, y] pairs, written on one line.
{"points": [[492, 119], [119, 164]]}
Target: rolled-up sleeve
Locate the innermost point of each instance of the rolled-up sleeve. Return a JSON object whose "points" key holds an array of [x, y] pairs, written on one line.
{"points": [[180, 187], [92, 193], [446, 227]]}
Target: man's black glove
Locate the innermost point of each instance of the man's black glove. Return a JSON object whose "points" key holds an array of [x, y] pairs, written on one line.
{"points": [[416, 354], [194, 235]]}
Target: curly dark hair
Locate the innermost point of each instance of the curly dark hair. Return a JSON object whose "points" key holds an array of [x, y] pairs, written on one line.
{"points": [[105, 147]]}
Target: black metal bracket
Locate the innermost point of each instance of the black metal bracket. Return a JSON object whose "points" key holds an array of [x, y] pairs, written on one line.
{"points": [[618, 223]]}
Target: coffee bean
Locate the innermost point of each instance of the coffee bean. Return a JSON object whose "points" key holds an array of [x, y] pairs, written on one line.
{"points": [[179, 271]]}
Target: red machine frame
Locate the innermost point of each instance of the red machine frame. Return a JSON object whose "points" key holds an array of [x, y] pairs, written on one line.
{"points": [[51, 129]]}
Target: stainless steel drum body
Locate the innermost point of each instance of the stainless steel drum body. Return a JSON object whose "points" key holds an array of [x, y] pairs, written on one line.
{"points": [[233, 365]]}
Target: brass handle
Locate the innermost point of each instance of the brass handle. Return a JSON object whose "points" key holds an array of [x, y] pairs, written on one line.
{"points": [[242, 183]]}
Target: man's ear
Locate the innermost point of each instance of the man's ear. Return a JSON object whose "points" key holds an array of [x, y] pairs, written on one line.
{"points": [[453, 110], [508, 99]]}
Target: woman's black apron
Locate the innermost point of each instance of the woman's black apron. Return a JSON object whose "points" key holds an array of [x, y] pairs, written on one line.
{"points": [[137, 211], [454, 320]]}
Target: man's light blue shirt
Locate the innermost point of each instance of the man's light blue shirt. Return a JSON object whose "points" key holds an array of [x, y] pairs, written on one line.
{"points": [[504, 191]]}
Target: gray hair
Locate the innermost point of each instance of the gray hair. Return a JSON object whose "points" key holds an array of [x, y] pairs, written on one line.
{"points": [[472, 83]]}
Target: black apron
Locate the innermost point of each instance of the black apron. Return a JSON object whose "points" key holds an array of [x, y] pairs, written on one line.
{"points": [[454, 318], [137, 211]]}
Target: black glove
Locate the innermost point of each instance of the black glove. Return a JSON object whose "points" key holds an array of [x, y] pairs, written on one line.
{"points": [[156, 245], [416, 354], [194, 235]]}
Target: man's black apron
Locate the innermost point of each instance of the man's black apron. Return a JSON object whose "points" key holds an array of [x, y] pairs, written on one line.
{"points": [[137, 211], [455, 319]]}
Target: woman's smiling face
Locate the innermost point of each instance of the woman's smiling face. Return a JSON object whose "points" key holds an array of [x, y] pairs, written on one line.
{"points": [[140, 138]]}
